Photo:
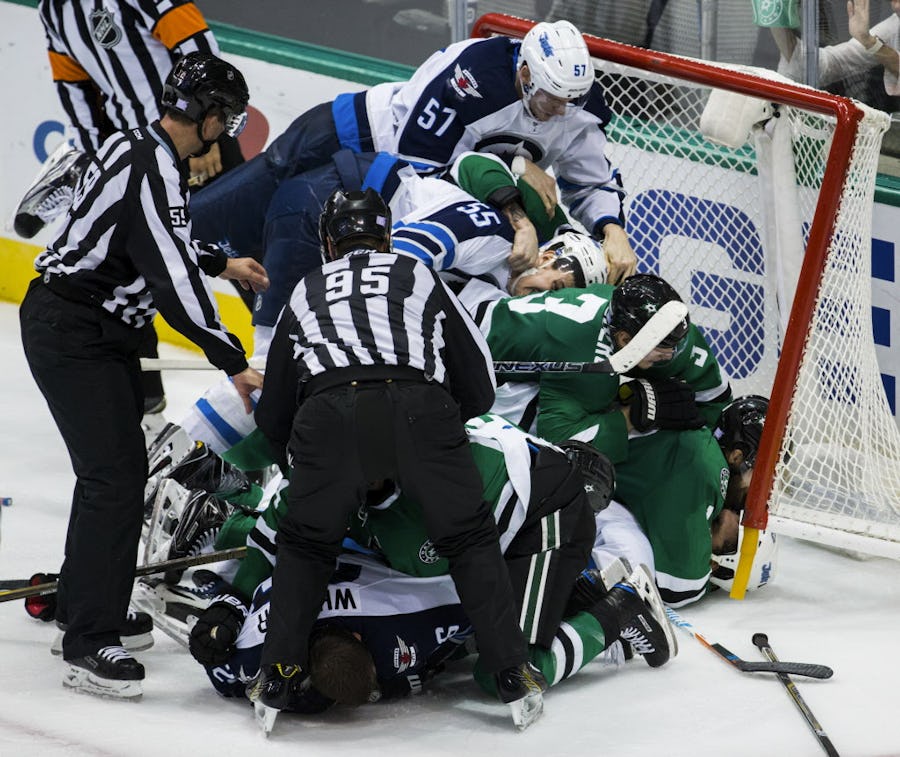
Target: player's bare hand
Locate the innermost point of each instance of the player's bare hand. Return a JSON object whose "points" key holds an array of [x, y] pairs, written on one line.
{"points": [[620, 258], [543, 184], [524, 254], [205, 167], [247, 272], [246, 382]]}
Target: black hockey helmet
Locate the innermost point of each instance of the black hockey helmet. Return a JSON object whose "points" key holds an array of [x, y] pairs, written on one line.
{"points": [[740, 426], [637, 299], [353, 215], [596, 469], [200, 81]]}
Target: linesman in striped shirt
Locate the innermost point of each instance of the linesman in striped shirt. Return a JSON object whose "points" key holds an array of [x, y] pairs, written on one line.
{"points": [[125, 251], [387, 367], [110, 60]]}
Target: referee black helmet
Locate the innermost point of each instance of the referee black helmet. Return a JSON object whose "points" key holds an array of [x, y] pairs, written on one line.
{"points": [[348, 218], [199, 82]]}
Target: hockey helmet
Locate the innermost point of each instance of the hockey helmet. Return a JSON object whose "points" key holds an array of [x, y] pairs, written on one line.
{"points": [[596, 469], [740, 426], [762, 570], [580, 254], [637, 299], [558, 61], [352, 215], [200, 81]]}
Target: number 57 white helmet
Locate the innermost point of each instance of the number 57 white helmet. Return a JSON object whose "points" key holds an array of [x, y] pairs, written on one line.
{"points": [[558, 62]]}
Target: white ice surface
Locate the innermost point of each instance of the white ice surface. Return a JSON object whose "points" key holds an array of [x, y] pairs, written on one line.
{"points": [[823, 607]]}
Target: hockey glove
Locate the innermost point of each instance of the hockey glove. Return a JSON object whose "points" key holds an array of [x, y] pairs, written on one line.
{"points": [[216, 630], [660, 403]]}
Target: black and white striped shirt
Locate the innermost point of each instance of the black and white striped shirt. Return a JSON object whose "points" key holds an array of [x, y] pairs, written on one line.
{"points": [[126, 245], [124, 48], [374, 309]]}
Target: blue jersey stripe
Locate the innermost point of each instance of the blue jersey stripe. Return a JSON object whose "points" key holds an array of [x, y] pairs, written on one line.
{"points": [[441, 234], [401, 245]]}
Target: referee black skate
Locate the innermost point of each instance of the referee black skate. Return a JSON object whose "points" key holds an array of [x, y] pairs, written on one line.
{"points": [[386, 366], [123, 251]]}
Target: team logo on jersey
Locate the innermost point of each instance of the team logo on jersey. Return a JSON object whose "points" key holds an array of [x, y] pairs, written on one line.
{"points": [[405, 656], [464, 83], [104, 29], [428, 554], [510, 145]]}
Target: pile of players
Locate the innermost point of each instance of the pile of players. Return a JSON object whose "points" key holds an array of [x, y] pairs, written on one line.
{"points": [[610, 495]]}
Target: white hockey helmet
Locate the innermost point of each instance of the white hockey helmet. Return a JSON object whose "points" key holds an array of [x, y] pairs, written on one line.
{"points": [[558, 62], [762, 570], [583, 253]]}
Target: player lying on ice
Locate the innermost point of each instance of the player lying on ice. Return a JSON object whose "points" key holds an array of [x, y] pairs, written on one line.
{"points": [[538, 495]]}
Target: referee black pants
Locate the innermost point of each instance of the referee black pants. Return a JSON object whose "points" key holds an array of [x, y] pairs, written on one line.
{"points": [[85, 363], [346, 437]]}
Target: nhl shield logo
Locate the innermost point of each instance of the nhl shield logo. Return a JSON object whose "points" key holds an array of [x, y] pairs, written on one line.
{"points": [[104, 29]]}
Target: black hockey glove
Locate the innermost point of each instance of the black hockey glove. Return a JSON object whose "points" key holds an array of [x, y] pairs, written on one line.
{"points": [[216, 630], [660, 403]]}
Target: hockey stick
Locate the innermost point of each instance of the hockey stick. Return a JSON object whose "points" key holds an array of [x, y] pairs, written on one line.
{"points": [[642, 344], [142, 570], [762, 641], [811, 670]]}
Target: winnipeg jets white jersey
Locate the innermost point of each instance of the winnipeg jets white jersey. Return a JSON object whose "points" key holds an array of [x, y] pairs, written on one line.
{"points": [[450, 231], [464, 98]]}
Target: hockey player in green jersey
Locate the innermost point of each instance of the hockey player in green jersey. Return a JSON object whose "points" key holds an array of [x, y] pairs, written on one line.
{"points": [[670, 472]]}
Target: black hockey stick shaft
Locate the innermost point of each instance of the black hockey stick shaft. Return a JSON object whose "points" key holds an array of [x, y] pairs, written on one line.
{"points": [[810, 670], [762, 641], [142, 570]]}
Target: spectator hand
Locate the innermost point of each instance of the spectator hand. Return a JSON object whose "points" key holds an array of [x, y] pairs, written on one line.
{"points": [[858, 22], [620, 258], [247, 272], [660, 403]]}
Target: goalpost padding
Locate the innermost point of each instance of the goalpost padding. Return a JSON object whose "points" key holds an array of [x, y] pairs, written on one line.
{"points": [[769, 243]]}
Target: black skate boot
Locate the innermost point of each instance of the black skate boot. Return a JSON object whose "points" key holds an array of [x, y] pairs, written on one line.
{"points": [[136, 633], [108, 672], [634, 607], [522, 688], [272, 690]]}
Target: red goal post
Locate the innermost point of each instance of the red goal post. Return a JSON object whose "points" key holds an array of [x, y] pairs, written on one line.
{"points": [[769, 242]]}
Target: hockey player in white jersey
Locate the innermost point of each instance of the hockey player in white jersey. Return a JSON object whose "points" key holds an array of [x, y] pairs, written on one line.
{"points": [[534, 103], [467, 228]]}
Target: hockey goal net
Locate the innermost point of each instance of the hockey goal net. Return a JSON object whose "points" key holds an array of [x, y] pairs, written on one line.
{"points": [[768, 240]]}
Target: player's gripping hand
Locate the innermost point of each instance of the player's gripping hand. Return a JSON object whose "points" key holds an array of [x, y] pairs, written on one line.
{"points": [[216, 630], [660, 403]]}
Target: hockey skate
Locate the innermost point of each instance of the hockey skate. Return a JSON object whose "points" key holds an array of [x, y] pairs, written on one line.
{"points": [[169, 504], [52, 191], [108, 672], [175, 609], [635, 606], [522, 688], [271, 691], [136, 633]]}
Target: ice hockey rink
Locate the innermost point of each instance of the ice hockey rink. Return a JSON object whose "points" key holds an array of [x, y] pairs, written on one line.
{"points": [[823, 607]]}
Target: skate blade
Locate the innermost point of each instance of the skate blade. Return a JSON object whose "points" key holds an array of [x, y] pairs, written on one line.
{"points": [[265, 717], [526, 710], [84, 682]]}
